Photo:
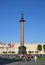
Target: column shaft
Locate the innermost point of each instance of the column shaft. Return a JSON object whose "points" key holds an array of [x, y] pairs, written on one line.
{"points": [[22, 33]]}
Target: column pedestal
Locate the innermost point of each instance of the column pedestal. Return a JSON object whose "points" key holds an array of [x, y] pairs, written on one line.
{"points": [[22, 50]]}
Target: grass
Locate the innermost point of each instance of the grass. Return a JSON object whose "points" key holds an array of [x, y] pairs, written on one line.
{"points": [[14, 59], [41, 59]]}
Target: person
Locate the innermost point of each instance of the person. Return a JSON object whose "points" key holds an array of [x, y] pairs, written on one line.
{"points": [[35, 58], [27, 57]]}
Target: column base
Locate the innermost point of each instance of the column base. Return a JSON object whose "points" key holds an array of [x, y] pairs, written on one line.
{"points": [[22, 50]]}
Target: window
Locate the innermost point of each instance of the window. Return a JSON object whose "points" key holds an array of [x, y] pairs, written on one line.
{"points": [[31, 51], [11, 52], [36, 51], [4, 52]]}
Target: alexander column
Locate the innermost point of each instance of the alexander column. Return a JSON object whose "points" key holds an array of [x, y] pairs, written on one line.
{"points": [[22, 48]]}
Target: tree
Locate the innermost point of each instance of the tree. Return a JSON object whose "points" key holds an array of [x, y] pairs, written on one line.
{"points": [[44, 47], [39, 47]]}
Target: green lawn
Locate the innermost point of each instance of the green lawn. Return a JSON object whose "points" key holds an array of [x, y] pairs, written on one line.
{"points": [[41, 59]]}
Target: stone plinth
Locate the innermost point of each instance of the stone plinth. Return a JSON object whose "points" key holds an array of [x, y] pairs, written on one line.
{"points": [[22, 50]]}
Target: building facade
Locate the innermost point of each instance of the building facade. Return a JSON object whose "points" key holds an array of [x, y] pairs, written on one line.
{"points": [[12, 48]]}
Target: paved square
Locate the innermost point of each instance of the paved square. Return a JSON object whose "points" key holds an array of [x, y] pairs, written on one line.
{"points": [[4, 61], [27, 63]]}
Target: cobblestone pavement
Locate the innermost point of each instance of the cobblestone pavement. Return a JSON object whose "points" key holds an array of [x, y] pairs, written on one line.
{"points": [[13, 62]]}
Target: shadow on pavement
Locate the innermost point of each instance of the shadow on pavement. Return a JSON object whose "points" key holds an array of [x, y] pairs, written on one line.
{"points": [[4, 61]]}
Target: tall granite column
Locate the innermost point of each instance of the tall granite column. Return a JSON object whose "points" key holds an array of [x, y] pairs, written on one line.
{"points": [[22, 48]]}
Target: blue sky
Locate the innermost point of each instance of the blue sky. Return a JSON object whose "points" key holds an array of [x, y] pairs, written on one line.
{"points": [[34, 14]]}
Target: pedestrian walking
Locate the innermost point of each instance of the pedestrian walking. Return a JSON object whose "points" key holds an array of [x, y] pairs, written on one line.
{"points": [[35, 58]]}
